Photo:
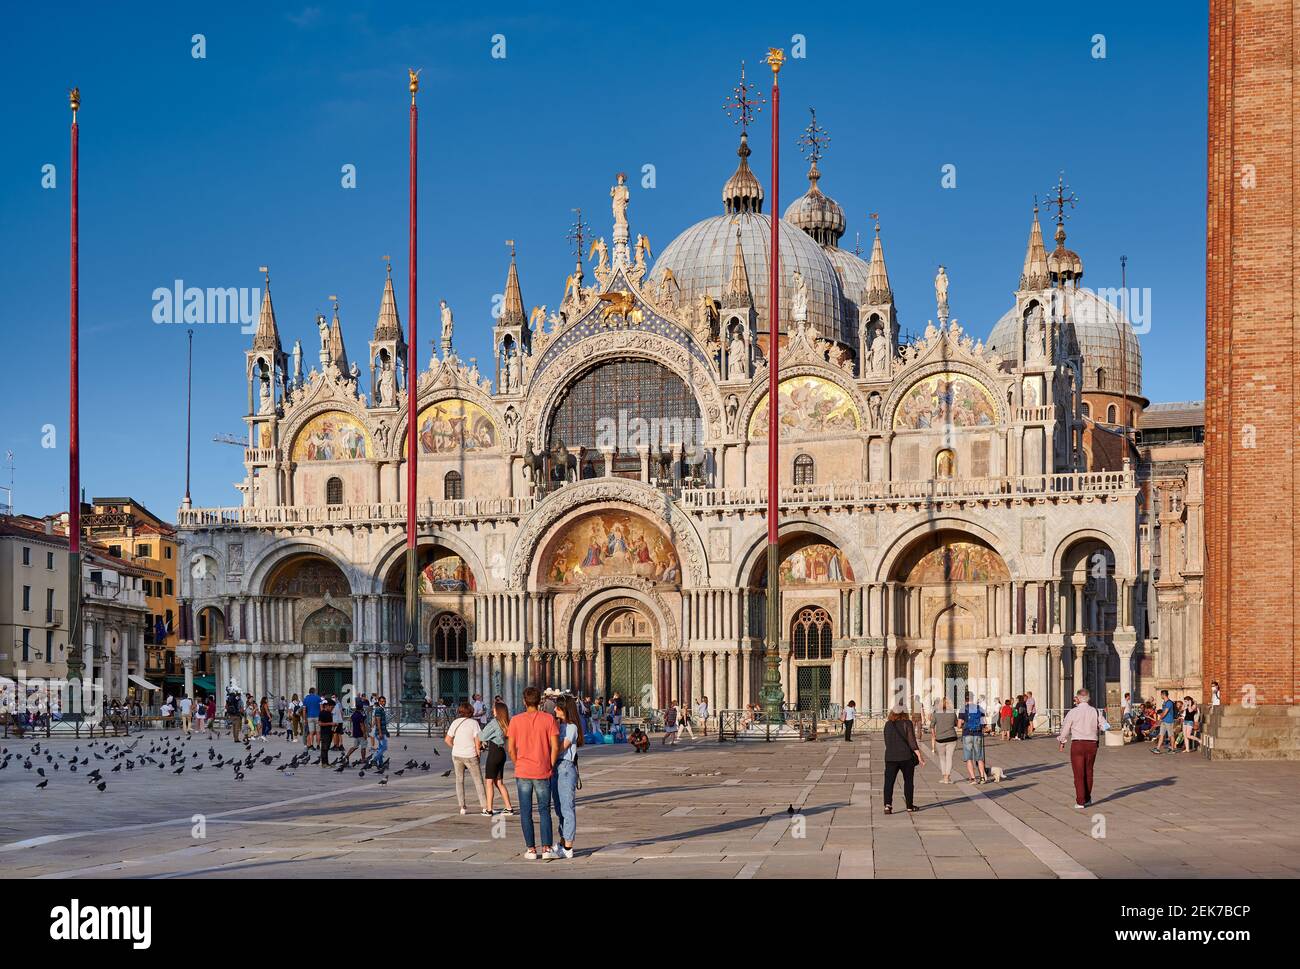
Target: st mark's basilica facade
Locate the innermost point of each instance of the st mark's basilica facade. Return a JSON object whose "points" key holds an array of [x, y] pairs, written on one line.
{"points": [[593, 514]]}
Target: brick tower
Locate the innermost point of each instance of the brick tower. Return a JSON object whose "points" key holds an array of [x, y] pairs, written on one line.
{"points": [[1252, 398]]}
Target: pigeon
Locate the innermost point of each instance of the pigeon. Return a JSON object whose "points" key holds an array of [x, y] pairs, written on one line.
{"points": [[41, 771], [118, 768], [383, 781], [399, 773], [446, 773], [43, 783], [790, 809], [179, 770], [101, 786]]}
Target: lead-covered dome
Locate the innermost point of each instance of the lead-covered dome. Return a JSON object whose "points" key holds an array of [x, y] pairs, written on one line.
{"points": [[1098, 325], [700, 259]]}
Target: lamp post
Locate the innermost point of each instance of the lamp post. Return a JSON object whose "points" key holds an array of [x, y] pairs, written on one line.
{"points": [[771, 694]]}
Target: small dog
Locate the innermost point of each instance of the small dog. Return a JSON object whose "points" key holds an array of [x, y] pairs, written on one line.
{"points": [[998, 774]]}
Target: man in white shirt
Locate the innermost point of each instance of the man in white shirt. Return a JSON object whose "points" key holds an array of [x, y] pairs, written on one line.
{"points": [[187, 706], [702, 711], [1080, 730]]}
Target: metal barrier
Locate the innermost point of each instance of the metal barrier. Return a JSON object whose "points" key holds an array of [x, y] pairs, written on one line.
{"points": [[50, 729], [733, 724]]}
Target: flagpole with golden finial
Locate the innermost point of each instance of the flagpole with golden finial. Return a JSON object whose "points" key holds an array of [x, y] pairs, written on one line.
{"points": [[771, 695], [75, 635], [412, 701]]}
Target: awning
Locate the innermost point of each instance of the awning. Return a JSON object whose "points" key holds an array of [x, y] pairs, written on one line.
{"points": [[141, 681], [206, 683]]}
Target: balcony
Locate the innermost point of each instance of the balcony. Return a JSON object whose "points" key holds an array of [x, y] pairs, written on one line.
{"points": [[115, 593], [54, 617], [850, 494], [390, 512]]}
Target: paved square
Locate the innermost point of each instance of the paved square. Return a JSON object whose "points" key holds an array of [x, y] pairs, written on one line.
{"points": [[700, 810]]}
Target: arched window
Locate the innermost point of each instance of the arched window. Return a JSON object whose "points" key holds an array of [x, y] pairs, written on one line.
{"points": [[334, 491], [1112, 415], [448, 638], [804, 470], [1101, 378], [945, 464], [810, 636], [1087, 409], [632, 401], [453, 486]]}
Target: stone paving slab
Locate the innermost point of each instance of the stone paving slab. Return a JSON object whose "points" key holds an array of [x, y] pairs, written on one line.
{"points": [[697, 810]]}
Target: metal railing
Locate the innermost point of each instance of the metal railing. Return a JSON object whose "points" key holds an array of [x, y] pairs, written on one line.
{"points": [[76, 728], [735, 724]]}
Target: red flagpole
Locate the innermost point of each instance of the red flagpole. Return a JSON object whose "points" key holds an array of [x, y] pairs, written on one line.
{"points": [[771, 695], [75, 634], [412, 692]]}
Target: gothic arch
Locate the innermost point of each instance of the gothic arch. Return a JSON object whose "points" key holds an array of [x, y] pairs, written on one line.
{"points": [[266, 564], [575, 499], [905, 381], [604, 346], [1117, 548], [757, 395], [597, 593], [903, 541], [392, 551], [755, 549]]}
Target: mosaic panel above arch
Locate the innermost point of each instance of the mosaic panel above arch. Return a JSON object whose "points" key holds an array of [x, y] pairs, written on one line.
{"points": [[955, 562], [332, 436], [447, 572], [945, 399], [807, 405], [454, 425], [816, 564], [610, 543], [309, 578]]}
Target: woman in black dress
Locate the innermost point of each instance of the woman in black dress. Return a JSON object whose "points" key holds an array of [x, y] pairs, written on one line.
{"points": [[902, 755]]}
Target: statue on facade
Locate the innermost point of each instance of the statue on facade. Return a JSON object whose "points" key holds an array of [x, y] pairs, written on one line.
{"points": [[514, 374], [799, 301], [941, 292], [387, 393], [737, 358], [1035, 334], [620, 195], [267, 402], [598, 248], [643, 253], [324, 340], [297, 363], [880, 350], [446, 326], [873, 405]]}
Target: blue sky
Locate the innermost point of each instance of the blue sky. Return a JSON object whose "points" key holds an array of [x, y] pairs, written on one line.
{"points": [[204, 169]]}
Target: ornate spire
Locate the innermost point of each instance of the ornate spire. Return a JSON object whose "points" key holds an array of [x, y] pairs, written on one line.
{"points": [[742, 192], [1064, 264], [738, 292], [338, 355], [388, 326], [512, 313], [1035, 275], [267, 336], [878, 288], [817, 214]]}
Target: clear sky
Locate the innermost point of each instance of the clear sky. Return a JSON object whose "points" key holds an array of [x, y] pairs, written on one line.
{"points": [[202, 169]]}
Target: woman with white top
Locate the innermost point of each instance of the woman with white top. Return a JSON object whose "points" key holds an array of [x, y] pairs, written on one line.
{"points": [[463, 737], [848, 715], [564, 782]]}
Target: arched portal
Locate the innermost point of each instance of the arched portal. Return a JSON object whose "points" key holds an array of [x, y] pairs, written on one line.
{"points": [[1090, 612], [626, 641], [315, 609], [951, 610], [816, 582]]}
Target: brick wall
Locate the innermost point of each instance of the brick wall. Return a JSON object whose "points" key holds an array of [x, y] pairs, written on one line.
{"points": [[1251, 400]]}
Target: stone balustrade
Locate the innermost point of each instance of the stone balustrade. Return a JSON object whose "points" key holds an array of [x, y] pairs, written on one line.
{"points": [[279, 516]]}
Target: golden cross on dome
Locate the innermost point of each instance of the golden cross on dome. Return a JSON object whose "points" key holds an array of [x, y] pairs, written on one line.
{"points": [[578, 231], [743, 103], [1062, 200], [814, 139]]}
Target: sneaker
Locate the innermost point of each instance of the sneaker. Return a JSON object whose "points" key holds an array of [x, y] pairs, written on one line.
{"points": [[1079, 807], [549, 855], [565, 852], [509, 812], [462, 810], [888, 809], [530, 854], [485, 812]]}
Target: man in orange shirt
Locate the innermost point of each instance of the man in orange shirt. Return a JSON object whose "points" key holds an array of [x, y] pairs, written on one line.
{"points": [[533, 741]]}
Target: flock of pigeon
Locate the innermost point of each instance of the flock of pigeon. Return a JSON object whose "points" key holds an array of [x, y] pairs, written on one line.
{"points": [[174, 755]]}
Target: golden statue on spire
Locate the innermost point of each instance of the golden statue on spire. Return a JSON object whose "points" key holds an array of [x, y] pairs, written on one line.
{"points": [[775, 58], [74, 100], [415, 81]]}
